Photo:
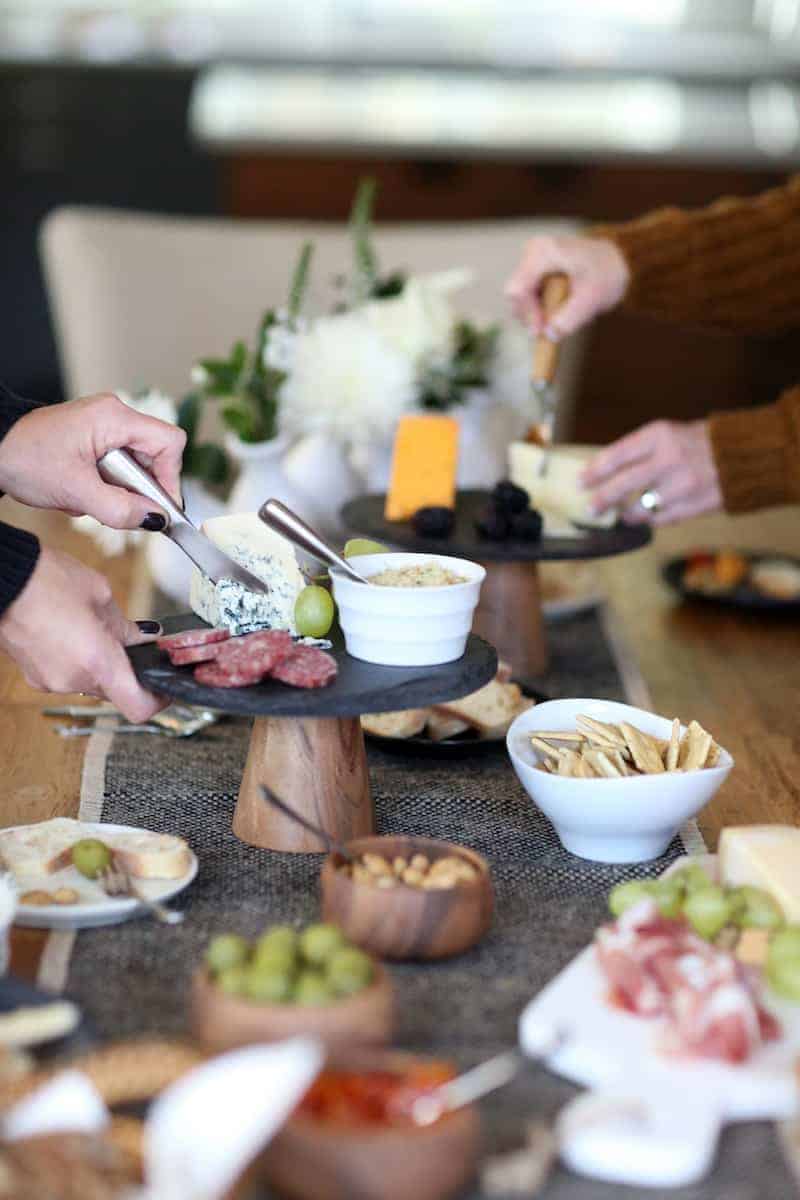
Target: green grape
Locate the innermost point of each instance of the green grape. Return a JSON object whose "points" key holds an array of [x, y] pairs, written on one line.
{"points": [[91, 856], [625, 895], [226, 950], [313, 611], [349, 970], [267, 985], [707, 911], [278, 934], [784, 946], [784, 977], [754, 908], [669, 896], [233, 980], [312, 988], [319, 942], [275, 956], [358, 546], [692, 878]]}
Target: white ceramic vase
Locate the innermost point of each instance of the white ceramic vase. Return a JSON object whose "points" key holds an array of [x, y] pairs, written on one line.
{"points": [[170, 569]]}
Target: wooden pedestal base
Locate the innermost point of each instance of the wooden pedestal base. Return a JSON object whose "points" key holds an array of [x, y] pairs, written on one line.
{"points": [[509, 616], [317, 765]]}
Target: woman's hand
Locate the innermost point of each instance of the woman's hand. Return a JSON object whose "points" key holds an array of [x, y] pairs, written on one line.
{"points": [[672, 459], [66, 634], [598, 276], [49, 459]]}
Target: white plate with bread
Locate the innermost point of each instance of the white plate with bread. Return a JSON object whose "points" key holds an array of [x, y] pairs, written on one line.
{"points": [[469, 725], [53, 894]]}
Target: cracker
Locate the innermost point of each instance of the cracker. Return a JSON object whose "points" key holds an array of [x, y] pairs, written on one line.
{"points": [[698, 745], [671, 755], [602, 764], [602, 731], [645, 751]]}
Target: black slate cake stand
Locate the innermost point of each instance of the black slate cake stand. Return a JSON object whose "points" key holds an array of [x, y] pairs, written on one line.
{"points": [[307, 744], [509, 614]]}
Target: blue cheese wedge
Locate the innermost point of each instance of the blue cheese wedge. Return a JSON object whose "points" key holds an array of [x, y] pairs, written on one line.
{"points": [[228, 603]]}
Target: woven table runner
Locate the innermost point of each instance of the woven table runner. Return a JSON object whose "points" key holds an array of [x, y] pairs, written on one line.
{"points": [[134, 978]]}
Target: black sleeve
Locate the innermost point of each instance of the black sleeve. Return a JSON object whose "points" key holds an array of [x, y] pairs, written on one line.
{"points": [[19, 553], [19, 550], [12, 408]]}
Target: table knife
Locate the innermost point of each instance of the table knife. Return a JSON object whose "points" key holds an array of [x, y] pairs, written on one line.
{"points": [[120, 468], [545, 361]]}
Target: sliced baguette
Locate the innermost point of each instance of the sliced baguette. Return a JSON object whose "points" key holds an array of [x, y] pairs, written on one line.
{"points": [[491, 707], [405, 724], [25, 851], [143, 854], [441, 725]]}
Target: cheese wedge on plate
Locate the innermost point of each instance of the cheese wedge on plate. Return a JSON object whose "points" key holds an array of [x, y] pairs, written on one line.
{"points": [[765, 856], [558, 494], [228, 603]]}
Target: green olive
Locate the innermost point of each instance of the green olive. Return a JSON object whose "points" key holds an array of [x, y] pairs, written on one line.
{"points": [[784, 946], [625, 895], [91, 857], [668, 895], [692, 878], [349, 970], [755, 909], [319, 942], [312, 989], [226, 950], [268, 986], [708, 910], [275, 956]]}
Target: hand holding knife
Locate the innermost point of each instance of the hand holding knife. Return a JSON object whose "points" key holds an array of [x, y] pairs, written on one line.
{"points": [[555, 290]]}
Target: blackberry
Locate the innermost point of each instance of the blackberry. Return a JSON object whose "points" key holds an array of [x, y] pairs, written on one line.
{"points": [[493, 524], [434, 522], [509, 497], [527, 526]]}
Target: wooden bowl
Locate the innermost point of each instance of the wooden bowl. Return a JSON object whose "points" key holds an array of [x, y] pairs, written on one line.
{"points": [[220, 1021], [313, 1160], [408, 922]]}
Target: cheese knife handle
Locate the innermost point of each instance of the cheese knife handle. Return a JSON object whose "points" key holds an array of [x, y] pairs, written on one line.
{"points": [[555, 290], [120, 468]]}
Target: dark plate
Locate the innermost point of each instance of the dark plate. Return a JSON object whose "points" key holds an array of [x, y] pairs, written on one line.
{"points": [[364, 516], [360, 687], [463, 746], [743, 596], [18, 993]]}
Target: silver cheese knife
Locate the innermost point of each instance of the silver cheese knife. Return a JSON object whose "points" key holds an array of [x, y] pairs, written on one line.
{"points": [[121, 468]]}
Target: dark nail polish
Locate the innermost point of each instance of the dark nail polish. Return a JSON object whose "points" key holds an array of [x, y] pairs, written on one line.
{"points": [[150, 627], [154, 523]]}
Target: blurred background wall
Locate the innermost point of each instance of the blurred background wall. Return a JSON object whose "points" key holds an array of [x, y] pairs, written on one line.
{"points": [[595, 109]]}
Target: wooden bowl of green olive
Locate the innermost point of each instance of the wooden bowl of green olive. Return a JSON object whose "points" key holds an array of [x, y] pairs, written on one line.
{"points": [[404, 897], [289, 982]]}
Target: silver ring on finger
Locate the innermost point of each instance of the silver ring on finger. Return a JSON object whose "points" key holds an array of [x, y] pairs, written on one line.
{"points": [[651, 500]]}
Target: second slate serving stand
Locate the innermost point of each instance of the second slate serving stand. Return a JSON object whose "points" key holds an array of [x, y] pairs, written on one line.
{"points": [[509, 614], [307, 744]]}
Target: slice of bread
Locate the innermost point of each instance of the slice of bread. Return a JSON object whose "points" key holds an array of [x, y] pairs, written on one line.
{"points": [[405, 724], [25, 851], [491, 707], [441, 725], [146, 855], [776, 578]]}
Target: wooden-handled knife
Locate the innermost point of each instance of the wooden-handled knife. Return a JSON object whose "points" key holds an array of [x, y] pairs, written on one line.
{"points": [[555, 290]]}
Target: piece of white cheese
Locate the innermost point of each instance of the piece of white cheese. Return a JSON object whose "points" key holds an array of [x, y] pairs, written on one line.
{"points": [[270, 557], [558, 493], [765, 856]]}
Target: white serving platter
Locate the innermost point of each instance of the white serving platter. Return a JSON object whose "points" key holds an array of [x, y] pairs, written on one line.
{"points": [[96, 908], [650, 1119]]}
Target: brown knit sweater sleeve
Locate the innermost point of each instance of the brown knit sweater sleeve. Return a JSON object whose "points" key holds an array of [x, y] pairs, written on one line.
{"points": [[734, 265], [757, 452]]}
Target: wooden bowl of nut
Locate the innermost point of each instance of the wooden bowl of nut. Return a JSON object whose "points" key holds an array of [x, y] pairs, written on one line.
{"points": [[288, 982], [353, 1135], [407, 897]]}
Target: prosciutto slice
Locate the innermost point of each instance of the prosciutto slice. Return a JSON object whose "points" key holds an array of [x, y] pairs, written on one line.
{"points": [[658, 967]]}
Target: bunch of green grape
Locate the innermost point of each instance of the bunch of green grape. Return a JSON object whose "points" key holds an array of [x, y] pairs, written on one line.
{"points": [[316, 965], [710, 908]]}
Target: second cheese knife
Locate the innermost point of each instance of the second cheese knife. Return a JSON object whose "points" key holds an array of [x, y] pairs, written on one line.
{"points": [[545, 360], [121, 468]]}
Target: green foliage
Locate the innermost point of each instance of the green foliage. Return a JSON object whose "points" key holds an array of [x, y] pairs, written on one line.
{"points": [[443, 384], [297, 291], [201, 460]]}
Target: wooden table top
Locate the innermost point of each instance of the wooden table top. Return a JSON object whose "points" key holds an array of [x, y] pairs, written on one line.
{"points": [[736, 673]]}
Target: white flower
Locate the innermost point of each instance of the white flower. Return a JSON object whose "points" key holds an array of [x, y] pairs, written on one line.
{"points": [[279, 348], [346, 382], [200, 376], [418, 322], [510, 371]]}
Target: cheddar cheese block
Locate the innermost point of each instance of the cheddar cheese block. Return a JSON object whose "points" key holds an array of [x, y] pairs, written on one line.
{"points": [[423, 466], [765, 856]]}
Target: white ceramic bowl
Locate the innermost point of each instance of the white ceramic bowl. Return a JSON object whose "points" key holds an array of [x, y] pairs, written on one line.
{"points": [[407, 626], [611, 820]]}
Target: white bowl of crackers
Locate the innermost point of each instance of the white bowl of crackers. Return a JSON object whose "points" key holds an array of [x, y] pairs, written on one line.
{"points": [[617, 782]]}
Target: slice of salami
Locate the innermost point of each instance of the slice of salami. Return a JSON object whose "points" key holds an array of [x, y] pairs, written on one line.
{"points": [[192, 637], [306, 667], [194, 654], [214, 674], [266, 648]]}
